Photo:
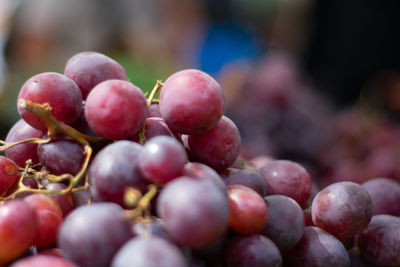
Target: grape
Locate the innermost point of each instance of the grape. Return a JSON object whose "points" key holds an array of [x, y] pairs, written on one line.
{"points": [[259, 161], [195, 212], [88, 69], [92, 234], [287, 178], [218, 147], [155, 126], [59, 91], [83, 126], [162, 159], [81, 197], [250, 179], [380, 241], [116, 109], [50, 217], [342, 209], [8, 173], [317, 248], [66, 201], [285, 225], [384, 192], [18, 225], [154, 110], [43, 261], [61, 155], [155, 227], [149, 251], [203, 172], [21, 153], [191, 102], [113, 169], [248, 212], [254, 251]]}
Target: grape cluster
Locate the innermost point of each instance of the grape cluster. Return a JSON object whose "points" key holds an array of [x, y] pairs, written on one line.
{"points": [[99, 174]]}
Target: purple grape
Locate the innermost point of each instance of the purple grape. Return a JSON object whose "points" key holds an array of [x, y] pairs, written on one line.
{"points": [[287, 178], [59, 91], [384, 192], [218, 147], [116, 109], [61, 155], [285, 225], [191, 102], [195, 212], [87, 69], [92, 234], [155, 126], [148, 251], [162, 159], [81, 125], [317, 248], [379, 243], [154, 110], [203, 172], [21, 153], [155, 227], [342, 209], [66, 201], [113, 169], [250, 179], [254, 251]]}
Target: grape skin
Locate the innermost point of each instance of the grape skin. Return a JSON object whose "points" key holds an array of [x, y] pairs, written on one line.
{"points": [[58, 90], [195, 212], [116, 109], [61, 155], [384, 192], [285, 225], [317, 248], [8, 173], [203, 172], [218, 147], [254, 251], [21, 153], [342, 209], [162, 159], [87, 69], [380, 241], [191, 102], [113, 169], [250, 179], [150, 251], [287, 178], [43, 261], [92, 234]]}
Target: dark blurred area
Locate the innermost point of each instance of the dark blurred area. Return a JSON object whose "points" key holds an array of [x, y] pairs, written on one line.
{"points": [[317, 82]]}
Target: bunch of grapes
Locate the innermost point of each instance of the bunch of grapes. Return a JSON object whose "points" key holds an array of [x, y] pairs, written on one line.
{"points": [[99, 174]]}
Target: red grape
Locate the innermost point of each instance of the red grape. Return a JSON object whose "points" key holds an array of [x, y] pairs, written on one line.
{"points": [[342, 209], [285, 225], [87, 69], [44, 202], [66, 200], [317, 248], [154, 110], [43, 261], [59, 91], [195, 212], [92, 234], [250, 179], [384, 193], [203, 172], [287, 178], [150, 251], [162, 159], [380, 242], [116, 109], [218, 147], [248, 212], [18, 226], [61, 155], [254, 251], [21, 153], [191, 102], [8, 173]]}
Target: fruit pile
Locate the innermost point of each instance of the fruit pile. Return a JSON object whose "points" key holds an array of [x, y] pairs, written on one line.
{"points": [[99, 174]]}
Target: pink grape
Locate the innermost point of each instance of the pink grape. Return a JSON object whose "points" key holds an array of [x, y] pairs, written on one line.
{"points": [[43, 261], [8, 173], [191, 102]]}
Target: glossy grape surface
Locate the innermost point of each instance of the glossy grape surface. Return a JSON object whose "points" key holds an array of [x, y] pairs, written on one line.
{"points": [[203, 172], [250, 179], [8, 173], [191, 102]]}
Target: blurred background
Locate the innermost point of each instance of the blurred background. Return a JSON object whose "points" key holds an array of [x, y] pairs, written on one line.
{"points": [[314, 81]]}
